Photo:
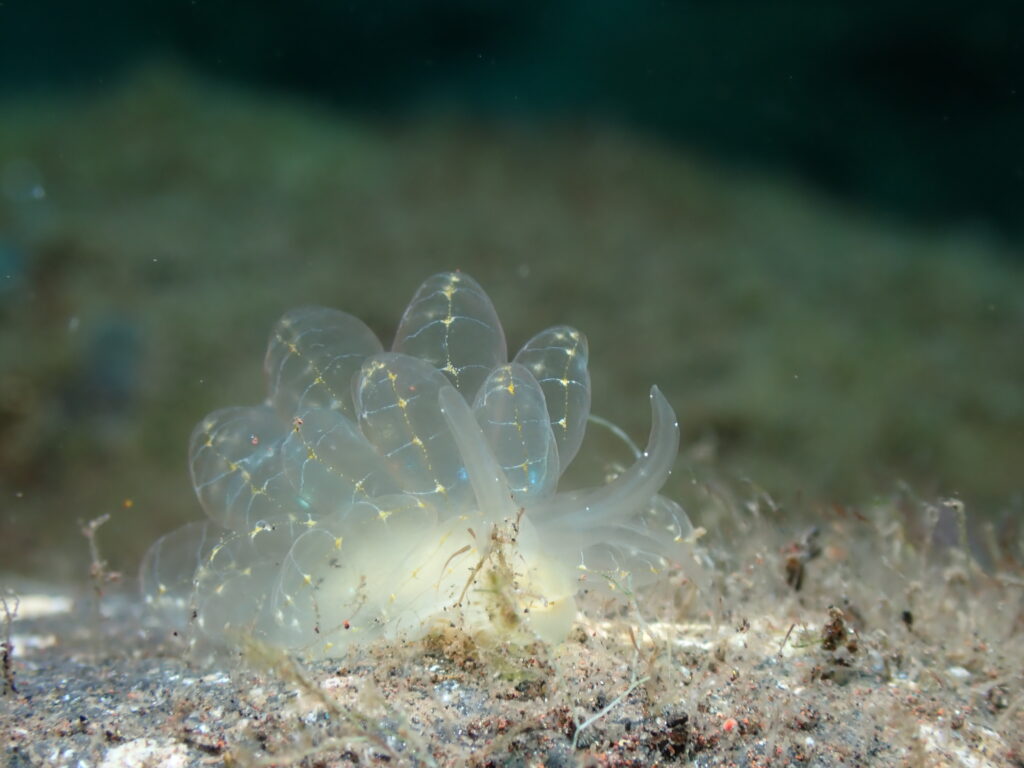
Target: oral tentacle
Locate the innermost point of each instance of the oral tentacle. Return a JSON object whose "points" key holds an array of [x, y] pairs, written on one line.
{"points": [[486, 476], [631, 491]]}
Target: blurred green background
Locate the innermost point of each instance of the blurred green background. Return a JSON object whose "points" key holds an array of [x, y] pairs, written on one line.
{"points": [[803, 223]]}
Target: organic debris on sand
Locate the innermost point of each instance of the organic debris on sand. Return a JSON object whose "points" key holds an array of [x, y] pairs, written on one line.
{"points": [[894, 651]]}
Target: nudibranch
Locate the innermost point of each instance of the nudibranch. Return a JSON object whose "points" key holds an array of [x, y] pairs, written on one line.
{"points": [[374, 494]]}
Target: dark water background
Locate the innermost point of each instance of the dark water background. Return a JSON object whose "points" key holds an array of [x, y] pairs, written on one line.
{"points": [[911, 108], [801, 220]]}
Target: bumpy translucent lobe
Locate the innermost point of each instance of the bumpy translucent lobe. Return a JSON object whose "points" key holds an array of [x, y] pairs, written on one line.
{"points": [[396, 399], [557, 357], [451, 324], [312, 356], [512, 413], [376, 493], [236, 467]]}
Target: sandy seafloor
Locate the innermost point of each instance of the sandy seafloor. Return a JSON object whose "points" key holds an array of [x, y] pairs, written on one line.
{"points": [[829, 366], [927, 676]]}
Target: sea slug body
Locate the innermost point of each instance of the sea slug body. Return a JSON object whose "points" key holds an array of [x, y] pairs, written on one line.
{"points": [[376, 493]]}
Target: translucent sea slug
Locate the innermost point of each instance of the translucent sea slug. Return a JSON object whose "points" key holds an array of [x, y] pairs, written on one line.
{"points": [[376, 493]]}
